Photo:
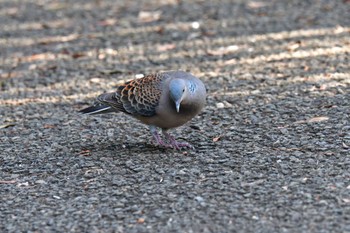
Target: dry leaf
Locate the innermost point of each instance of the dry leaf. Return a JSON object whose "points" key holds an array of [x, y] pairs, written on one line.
{"points": [[313, 120], [107, 22], [49, 126], [78, 54], [48, 40], [318, 119], [140, 220], [40, 56], [149, 16], [166, 47], [7, 181], [85, 153]]}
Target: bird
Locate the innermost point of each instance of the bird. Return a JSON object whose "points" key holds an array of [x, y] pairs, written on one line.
{"points": [[163, 100]]}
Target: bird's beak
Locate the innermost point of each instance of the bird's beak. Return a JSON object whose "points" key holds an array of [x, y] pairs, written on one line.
{"points": [[177, 104]]}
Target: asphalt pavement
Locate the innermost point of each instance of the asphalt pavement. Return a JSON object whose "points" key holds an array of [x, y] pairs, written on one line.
{"points": [[272, 146]]}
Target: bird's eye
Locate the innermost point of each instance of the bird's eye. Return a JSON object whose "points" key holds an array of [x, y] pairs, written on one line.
{"points": [[183, 90]]}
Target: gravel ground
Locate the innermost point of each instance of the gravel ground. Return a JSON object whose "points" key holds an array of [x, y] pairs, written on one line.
{"points": [[272, 146]]}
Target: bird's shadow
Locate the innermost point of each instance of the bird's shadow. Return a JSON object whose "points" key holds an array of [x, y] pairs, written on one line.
{"points": [[130, 148], [107, 148]]}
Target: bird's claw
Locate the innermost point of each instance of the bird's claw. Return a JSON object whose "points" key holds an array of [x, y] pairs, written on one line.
{"points": [[171, 142], [176, 145]]}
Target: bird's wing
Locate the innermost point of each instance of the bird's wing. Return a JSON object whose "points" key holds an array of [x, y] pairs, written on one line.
{"points": [[109, 99], [138, 97]]}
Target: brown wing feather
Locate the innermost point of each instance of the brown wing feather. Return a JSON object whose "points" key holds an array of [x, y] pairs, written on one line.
{"points": [[141, 96], [138, 97]]}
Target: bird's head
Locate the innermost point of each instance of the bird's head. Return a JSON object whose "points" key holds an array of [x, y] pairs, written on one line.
{"points": [[178, 91]]}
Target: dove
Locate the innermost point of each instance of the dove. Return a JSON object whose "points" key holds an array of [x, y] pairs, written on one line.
{"points": [[162, 100]]}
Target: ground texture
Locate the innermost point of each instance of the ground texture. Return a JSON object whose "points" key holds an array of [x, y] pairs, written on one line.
{"points": [[272, 146]]}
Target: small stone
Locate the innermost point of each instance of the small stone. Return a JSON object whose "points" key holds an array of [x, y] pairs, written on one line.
{"points": [[220, 105], [40, 182], [195, 25]]}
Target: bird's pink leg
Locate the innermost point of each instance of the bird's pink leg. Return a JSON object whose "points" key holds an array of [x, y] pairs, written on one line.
{"points": [[173, 143], [157, 137]]}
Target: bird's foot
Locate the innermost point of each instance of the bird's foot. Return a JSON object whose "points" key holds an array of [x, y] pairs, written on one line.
{"points": [[170, 140], [175, 144], [157, 139]]}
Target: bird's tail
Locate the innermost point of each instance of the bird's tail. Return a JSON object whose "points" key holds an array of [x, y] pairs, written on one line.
{"points": [[97, 109]]}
